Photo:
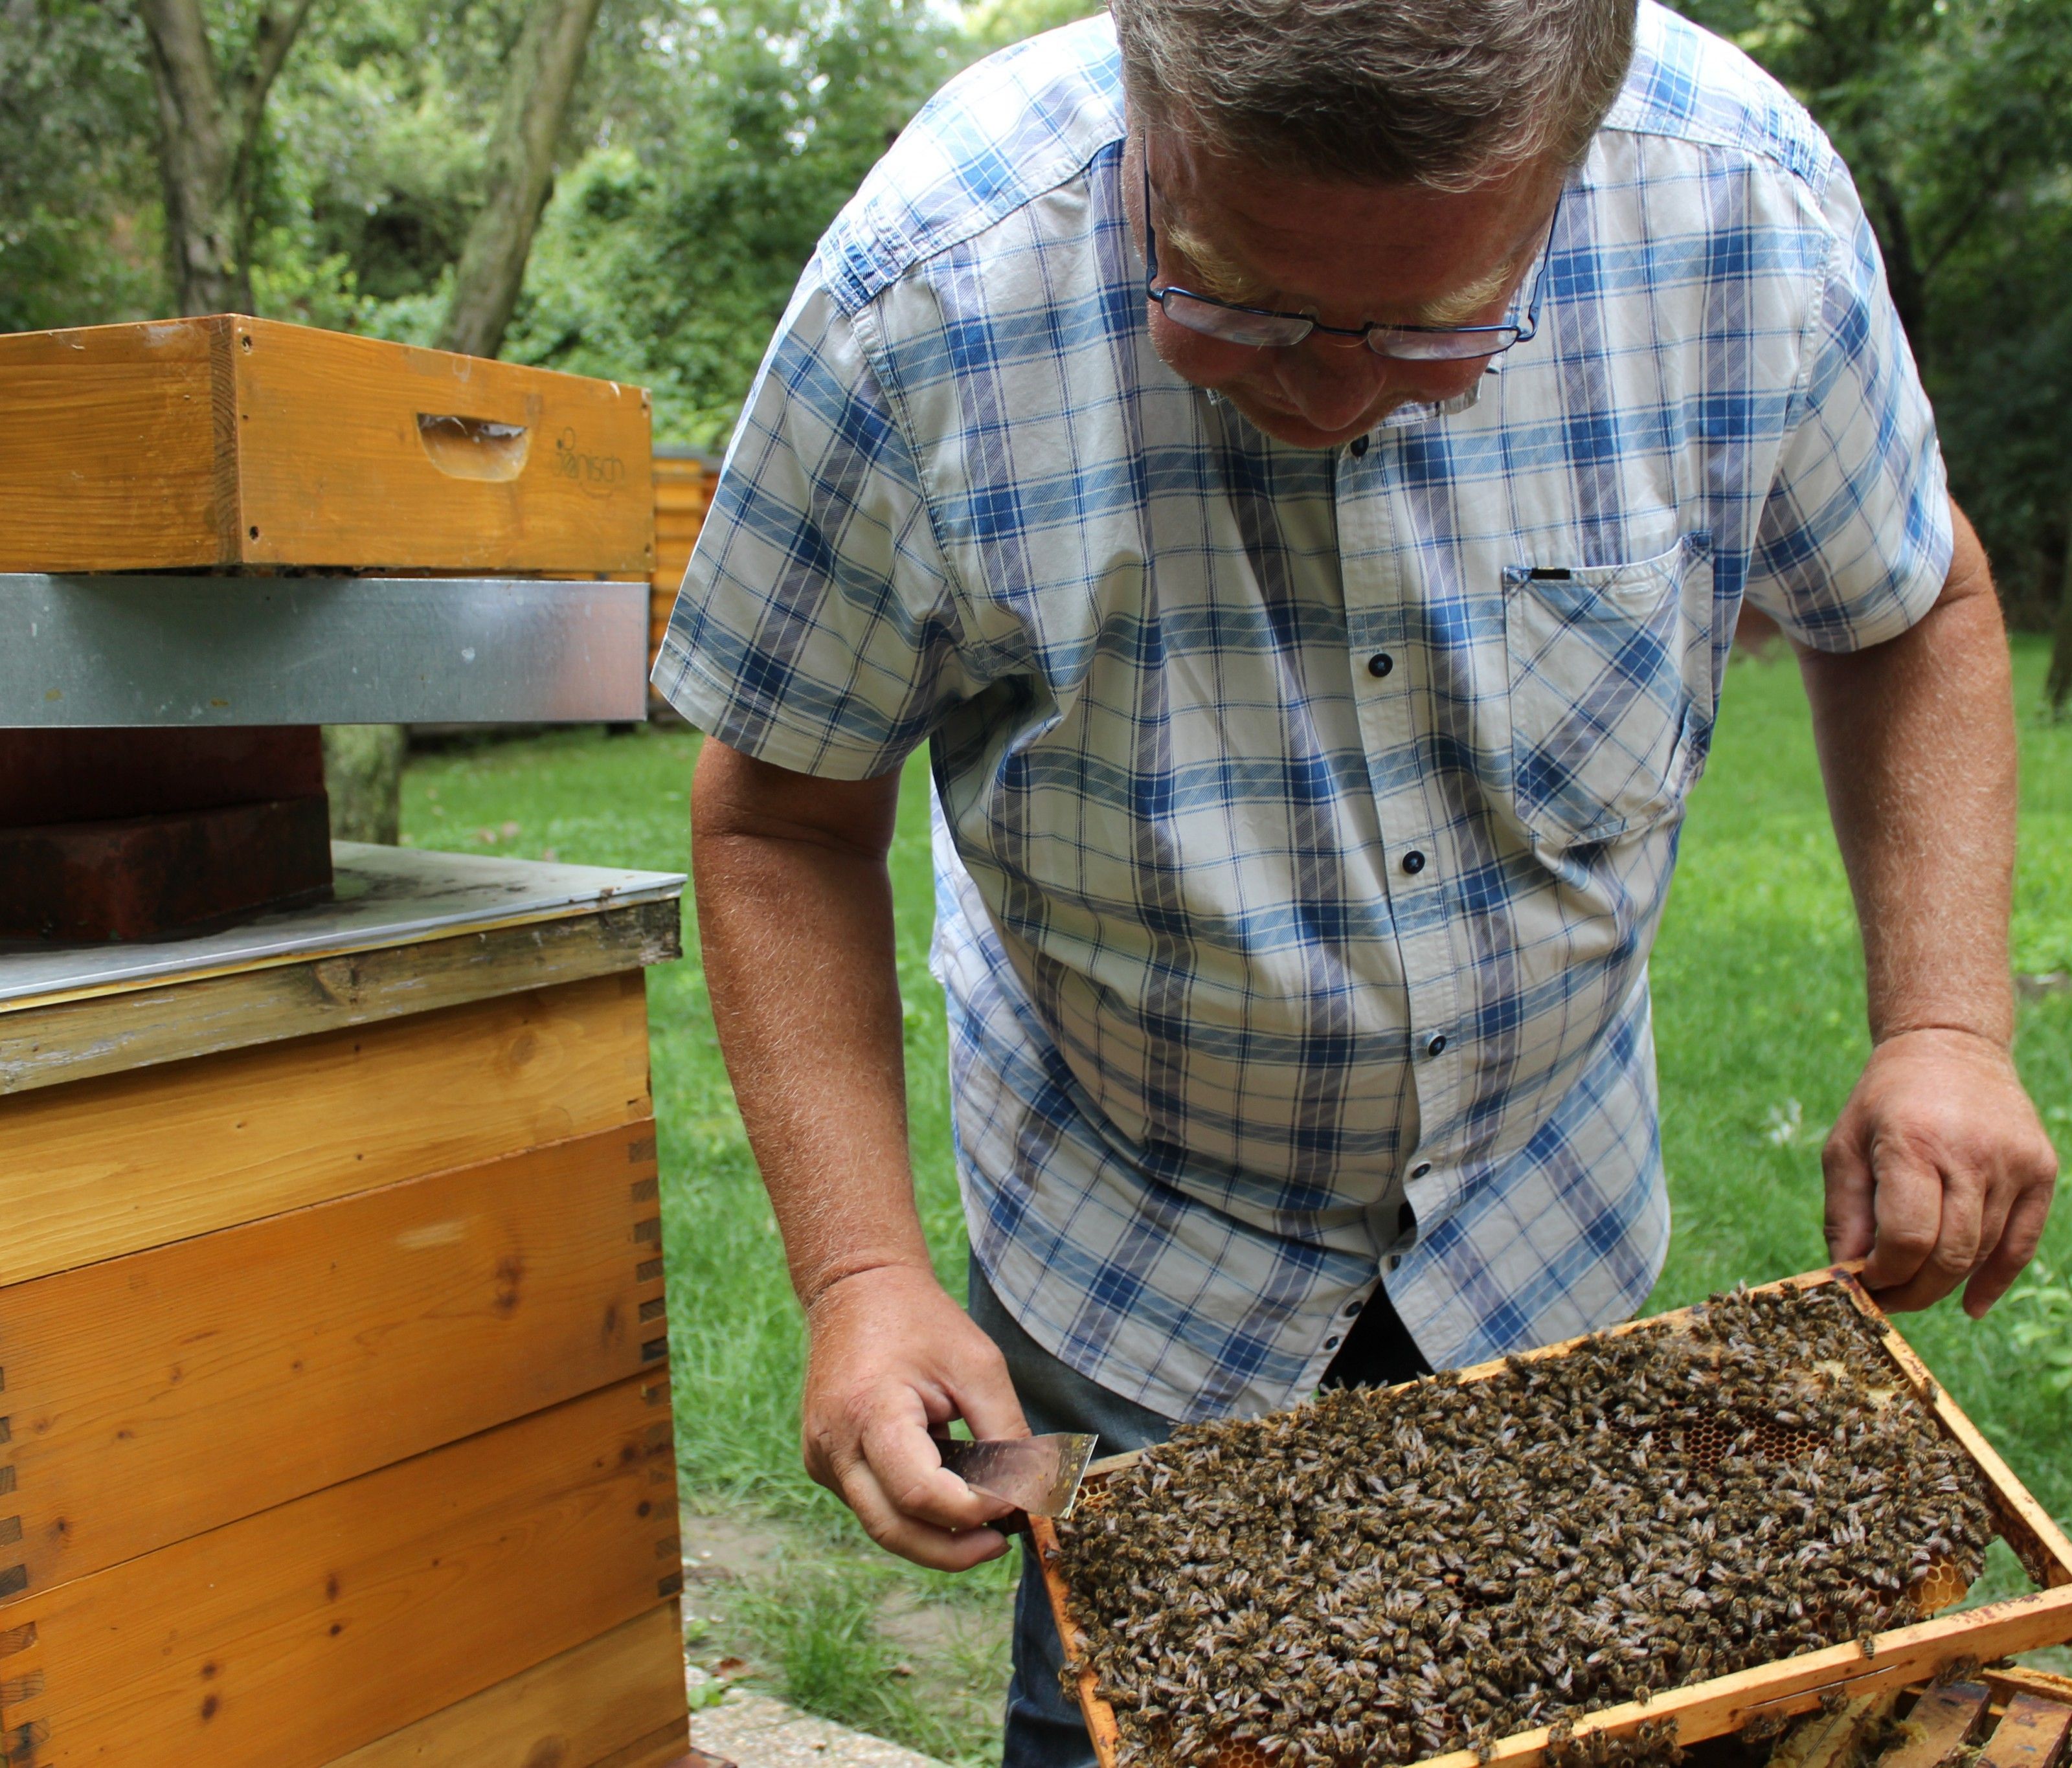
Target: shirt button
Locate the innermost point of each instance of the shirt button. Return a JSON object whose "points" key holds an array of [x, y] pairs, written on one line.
{"points": [[1436, 1044], [1422, 1168], [1395, 1261], [1332, 1342], [1359, 444], [1351, 1308], [1379, 664], [1413, 862]]}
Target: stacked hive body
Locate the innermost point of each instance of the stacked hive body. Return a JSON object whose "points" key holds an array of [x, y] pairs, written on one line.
{"points": [[336, 1422], [2009, 1717], [334, 1396], [683, 491]]}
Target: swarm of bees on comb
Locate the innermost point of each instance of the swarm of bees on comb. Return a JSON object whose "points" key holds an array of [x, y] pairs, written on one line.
{"points": [[1383, 1575]]}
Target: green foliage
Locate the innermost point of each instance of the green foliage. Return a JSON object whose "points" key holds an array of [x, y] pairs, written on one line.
{"points": [[1955, 117], [668, 258], [994, 24], [709, 148], [81, 222], [2044, 1328]]}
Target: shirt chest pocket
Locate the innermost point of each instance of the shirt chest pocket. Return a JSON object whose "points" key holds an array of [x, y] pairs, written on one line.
{"points": [[1607, 667]]}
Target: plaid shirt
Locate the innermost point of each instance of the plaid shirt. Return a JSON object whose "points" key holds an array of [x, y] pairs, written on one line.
{"points": [[1304, 818]]}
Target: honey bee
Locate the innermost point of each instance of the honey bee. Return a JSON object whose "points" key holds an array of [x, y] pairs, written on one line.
{"points": [[1380, 1576]]}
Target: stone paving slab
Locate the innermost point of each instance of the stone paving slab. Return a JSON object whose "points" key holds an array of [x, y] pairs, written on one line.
{"points": [[755, 1731]]}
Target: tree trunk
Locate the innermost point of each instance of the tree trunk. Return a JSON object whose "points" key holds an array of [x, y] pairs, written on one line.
{"points": [[2058, 685], [209, 123], [544, 69], [363, 775]]}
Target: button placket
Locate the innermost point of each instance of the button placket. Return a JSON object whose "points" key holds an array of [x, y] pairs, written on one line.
{"points": [[1379, 570], [1419, 877]]}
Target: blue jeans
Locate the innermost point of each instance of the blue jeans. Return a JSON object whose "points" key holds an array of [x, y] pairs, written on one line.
{"points": [[1044, 1728]]}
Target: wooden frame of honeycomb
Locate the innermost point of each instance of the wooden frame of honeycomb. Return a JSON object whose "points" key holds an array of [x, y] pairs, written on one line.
{"points": [[1768, 1693]]}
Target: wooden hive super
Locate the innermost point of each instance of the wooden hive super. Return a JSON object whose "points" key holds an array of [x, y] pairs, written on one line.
{"points": [[227, 442]]}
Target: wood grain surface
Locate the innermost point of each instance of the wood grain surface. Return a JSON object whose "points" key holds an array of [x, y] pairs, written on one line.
{"points": [[107, 450], [299, 1634], [114, 1165], [1940, 1725], [616, 1701], [336, 467], [2031, 1734], [151, 1397], [124, 1030], [1836, 1739], [226, 441]]}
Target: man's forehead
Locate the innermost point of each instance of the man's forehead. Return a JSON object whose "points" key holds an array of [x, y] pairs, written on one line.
{"points": [[1433, 257]]}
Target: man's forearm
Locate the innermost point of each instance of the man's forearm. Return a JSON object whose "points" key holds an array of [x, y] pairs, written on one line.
{"points": [[1937, 1172], [797, 934], [1917, 745], [794, 914]]}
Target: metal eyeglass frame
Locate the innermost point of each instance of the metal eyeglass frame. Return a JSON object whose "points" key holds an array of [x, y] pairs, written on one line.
{"points": [[1426, 344]]}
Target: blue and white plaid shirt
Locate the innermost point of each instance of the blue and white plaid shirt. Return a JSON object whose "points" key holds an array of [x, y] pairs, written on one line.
{"points": [[1304, 818]]}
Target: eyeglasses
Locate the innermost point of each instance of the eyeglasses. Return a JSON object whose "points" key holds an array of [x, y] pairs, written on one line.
{"points": [[1265, 328]]}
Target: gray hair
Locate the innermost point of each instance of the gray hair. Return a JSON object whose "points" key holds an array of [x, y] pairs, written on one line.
{"points": [[1445, 94]]}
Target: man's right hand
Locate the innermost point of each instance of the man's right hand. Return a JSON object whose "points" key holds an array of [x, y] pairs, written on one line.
{"points": [[892, 1356]]}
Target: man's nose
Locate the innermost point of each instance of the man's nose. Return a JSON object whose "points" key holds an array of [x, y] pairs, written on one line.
{"points": [[1332, 381]]}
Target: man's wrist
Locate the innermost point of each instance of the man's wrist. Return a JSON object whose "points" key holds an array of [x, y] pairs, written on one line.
{"points": [[2002, 1041], [829, 1285]]}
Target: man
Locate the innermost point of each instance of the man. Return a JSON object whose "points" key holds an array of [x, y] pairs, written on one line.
{"points": [[1300, 470]]}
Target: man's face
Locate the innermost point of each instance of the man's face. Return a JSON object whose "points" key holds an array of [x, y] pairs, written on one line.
{"points": [[1344, 253]]}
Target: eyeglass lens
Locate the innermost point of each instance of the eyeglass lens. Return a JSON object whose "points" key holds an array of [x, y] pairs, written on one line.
{"points": [[1261, 330], [1266, 331]]}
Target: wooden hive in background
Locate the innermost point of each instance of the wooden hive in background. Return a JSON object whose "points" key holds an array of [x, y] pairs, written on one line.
{"points": [[227, 442], [683, 483]]}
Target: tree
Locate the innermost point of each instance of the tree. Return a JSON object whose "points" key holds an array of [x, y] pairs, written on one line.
{"points": [[2058, 684], [1955, 118], [544, 69], [211, 121], [669, 250], [79, 220]]}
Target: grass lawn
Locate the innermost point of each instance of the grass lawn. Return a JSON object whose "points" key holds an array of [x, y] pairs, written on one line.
{"points": [[1759, 1032]]}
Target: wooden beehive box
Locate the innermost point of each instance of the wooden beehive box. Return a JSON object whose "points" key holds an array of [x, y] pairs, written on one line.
{"points": [[1764, 1694], [334, 1419], [225, 442], [682, 492], [2005, 1718]]}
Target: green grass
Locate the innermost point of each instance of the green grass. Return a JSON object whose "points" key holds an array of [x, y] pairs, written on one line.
{"points": [[1759, 1035], [1759, 997]]}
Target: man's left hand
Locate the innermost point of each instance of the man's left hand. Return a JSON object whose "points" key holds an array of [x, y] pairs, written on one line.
{"points": [[1939, 1169]]}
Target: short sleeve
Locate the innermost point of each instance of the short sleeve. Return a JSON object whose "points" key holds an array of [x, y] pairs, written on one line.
{"points": [[815, 628], [1854, 542]]}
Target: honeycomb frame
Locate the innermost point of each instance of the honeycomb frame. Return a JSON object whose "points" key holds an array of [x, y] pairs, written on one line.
{"points": [[1765, 1693]]}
